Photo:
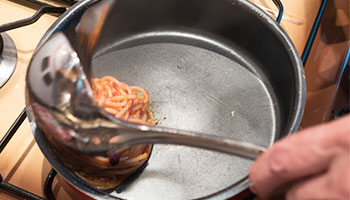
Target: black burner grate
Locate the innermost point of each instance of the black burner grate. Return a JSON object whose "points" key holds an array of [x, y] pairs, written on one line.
{"points": [[8, 187], [42, 8]]}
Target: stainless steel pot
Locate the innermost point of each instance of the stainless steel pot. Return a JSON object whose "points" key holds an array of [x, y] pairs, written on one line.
{"points": [[221, 67]]}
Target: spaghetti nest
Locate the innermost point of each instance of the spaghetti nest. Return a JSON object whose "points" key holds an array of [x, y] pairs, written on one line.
{"points": [[127, 103], [123, 101]]}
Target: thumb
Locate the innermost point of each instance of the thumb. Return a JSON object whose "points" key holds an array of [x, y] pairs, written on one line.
{"points": [[306, 153]]}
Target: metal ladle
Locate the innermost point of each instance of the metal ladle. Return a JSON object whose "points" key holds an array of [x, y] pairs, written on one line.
{"points": [[60, 98]]}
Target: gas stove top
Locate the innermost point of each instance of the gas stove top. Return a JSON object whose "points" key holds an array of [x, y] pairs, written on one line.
{"points": [[319, 30]]}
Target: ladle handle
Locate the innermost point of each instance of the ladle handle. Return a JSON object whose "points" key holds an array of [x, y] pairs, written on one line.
{"points": [[158, 135]]}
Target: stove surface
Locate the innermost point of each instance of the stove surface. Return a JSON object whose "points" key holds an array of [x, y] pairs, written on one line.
{"points": [[22, 163]]}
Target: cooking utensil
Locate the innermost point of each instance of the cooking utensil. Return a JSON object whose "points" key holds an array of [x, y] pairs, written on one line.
{"points": [[220, 65]]}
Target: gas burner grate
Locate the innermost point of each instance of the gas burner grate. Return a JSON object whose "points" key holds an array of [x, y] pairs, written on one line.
{"points": [[8, 60], [13, 190], [8, 51], [5, 186]]}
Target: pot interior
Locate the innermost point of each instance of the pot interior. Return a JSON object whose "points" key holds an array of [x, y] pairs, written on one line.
{"points": [[192, 87]]}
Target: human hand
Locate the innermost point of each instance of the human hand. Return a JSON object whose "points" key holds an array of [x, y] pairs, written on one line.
{"points": [[316, 160]]}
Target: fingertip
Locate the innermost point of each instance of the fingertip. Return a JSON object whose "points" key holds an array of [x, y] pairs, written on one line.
{"points": [[278, 160], [252, 172], [253, 189], [268, 171], [257, 176]]}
